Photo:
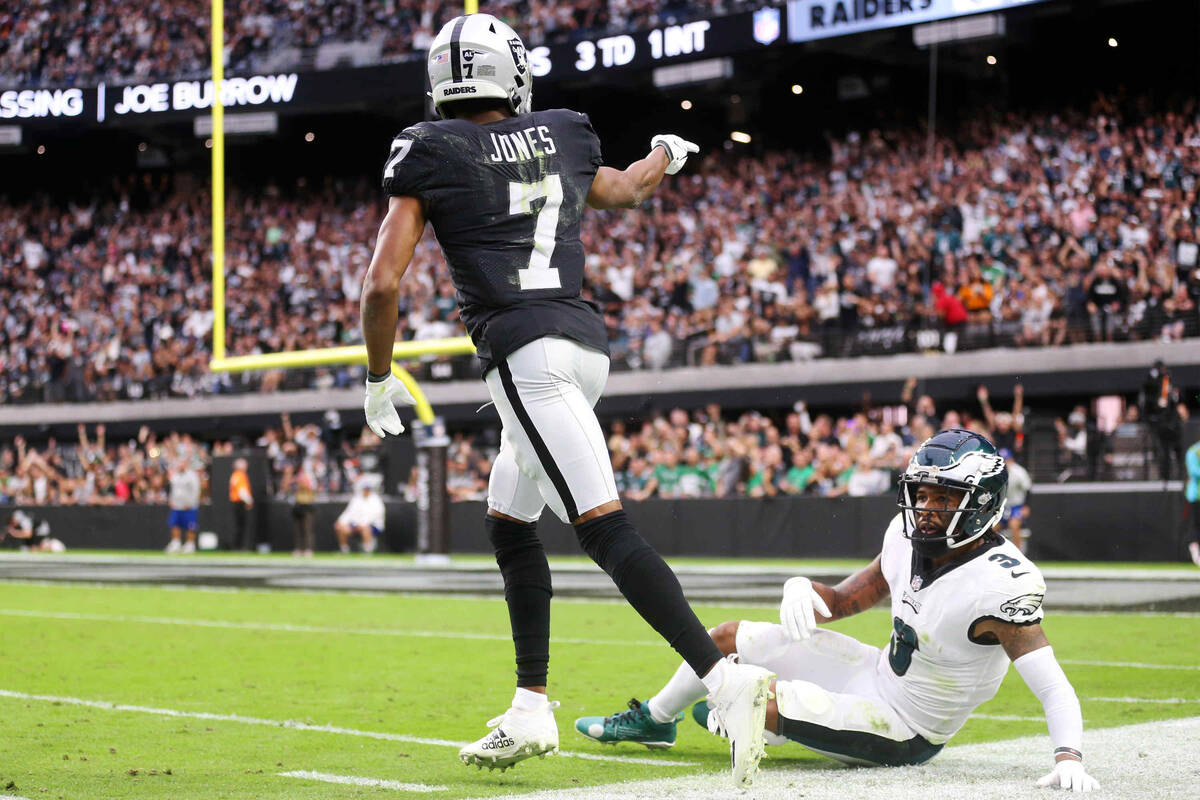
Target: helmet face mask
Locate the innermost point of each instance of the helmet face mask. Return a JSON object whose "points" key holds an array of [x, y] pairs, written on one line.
{"points": [[952, 492], [477, 57]]}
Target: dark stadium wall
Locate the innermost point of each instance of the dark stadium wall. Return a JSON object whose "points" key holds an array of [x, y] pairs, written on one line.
{"points": [[1107, 526]]}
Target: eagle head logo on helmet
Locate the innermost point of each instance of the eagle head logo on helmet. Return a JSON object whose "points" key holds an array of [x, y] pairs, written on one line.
{"points": [[962, 461], [476, 56]]}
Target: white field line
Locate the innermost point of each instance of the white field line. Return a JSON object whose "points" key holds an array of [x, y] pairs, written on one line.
{"points": [[1134, 762], [353, 780], [287, 628], [1008, 718], [12, 797], [1130, 664], [1140, 700], [292, 724]]}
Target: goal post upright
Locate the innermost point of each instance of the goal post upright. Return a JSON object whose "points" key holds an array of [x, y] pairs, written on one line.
{"points": [[217, 46]]}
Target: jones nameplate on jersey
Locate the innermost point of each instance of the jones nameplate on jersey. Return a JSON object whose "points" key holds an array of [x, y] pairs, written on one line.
{"points": [[522, 146]]}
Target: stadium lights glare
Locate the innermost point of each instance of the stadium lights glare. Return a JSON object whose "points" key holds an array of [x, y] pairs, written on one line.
{"points": [[991, 60], [41, 150], [1112, 42], [308, 137], [141, 147], [686, 105], [739, 136], [797, 89], [208, 143]]}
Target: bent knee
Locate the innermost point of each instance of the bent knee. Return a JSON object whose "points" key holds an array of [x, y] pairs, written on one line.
{"points": [[725, 636]]}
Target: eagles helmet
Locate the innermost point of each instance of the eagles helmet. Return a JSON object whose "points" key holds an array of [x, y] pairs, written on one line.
{"points": [[955, 459], [478, 56]]}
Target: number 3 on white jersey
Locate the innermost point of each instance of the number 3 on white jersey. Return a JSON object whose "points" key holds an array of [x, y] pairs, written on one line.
{"points": [[521, 196]]}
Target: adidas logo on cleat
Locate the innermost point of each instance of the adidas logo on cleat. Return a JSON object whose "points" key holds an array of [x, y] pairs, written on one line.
{"points": [[501, 740]]}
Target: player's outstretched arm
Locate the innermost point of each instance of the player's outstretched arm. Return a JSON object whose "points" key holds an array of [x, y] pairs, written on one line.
{"points": [[1034, 659], [627, 188], [399, 233]]}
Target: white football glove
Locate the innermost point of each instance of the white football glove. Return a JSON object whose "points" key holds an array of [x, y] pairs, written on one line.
{"points": [[382, 418], [800, 600], [678, 149], [1070, 775]]}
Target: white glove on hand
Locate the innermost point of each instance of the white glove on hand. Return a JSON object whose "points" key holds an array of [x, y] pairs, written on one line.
{"points": [[678, 149], [1069, 774], [382, 418], [796, 611]]}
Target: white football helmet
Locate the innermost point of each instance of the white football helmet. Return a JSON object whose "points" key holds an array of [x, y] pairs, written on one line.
{"points": [[476, 56]]}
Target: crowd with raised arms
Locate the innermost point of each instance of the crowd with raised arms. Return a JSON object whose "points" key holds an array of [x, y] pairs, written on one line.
{"points": [[1035, 230]]}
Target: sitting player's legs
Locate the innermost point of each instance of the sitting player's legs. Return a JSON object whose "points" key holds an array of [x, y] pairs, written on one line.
{"points": [[830, 659], [856, 728]]}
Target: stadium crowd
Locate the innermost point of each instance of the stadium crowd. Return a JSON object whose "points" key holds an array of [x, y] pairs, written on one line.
{"points": [[705, 453], [51, 43], [1035, 230]]}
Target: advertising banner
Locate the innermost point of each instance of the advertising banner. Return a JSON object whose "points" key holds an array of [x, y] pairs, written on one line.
{"points": [[820, 19]]}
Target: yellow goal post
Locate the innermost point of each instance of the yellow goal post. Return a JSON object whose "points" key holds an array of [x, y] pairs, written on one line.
{"points": [[327, 356]]}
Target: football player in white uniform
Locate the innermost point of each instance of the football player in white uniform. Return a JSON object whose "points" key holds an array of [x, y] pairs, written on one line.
{"points": [[964, 603]]}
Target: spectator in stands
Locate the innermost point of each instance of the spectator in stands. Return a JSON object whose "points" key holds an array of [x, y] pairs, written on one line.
{"points": [[1006, 428], [184, 499], [298, 488], [1016, 510], [1165, 413], [363, 517], [31, 534], [242, 500], [1191, 492]]}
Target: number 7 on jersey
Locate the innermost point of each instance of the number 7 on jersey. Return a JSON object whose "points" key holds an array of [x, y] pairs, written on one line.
{"points": [[521, 196]]}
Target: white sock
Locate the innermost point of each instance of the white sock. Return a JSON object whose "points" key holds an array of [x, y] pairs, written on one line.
{"points": [[527, 700], [681, 691], [715, 677]]}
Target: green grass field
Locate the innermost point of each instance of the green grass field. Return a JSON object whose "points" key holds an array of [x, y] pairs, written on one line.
{"points": [[387, 674]]}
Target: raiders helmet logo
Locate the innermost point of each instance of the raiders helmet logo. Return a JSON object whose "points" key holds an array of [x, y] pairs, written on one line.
{"points": [[518, 54], [1024, 606]]}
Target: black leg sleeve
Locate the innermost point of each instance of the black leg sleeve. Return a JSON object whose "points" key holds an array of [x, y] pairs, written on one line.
{"points": [[649, 585], [527, 591]]}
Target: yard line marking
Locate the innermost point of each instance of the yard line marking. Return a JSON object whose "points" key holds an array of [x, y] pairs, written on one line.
{"points": [[12, 797], [1130, 664], [1161, 700], [1008, 718], [354, 780], [304, 726], [286, 628]]}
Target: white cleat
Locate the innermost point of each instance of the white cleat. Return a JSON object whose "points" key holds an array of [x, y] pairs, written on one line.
{"points": [[516, 735], [188, 548], [173, 547], [738, 711]]}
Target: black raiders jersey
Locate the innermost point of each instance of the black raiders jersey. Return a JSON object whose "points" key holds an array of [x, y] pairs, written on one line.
{"points": [[506, 199]]}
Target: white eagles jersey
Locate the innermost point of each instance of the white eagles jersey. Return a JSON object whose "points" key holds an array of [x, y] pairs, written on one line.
{"points": [[932, 673]]}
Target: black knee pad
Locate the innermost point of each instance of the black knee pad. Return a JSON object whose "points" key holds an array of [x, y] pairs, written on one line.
{"points": [[519, 553], [613, 543]]}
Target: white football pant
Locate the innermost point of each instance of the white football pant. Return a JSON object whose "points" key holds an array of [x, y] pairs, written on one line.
{"points": [[552, 450]]}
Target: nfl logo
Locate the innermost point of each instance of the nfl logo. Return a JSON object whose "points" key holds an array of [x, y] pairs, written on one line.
{"points": [[917, 582], [766, 25]]}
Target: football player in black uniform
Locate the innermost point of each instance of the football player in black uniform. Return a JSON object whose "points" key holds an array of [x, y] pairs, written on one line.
{"points": [[505, 188]]}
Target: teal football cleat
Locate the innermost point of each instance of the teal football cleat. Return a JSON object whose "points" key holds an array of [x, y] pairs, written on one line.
{"points": [[634, 725], [700, 714]]}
